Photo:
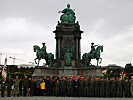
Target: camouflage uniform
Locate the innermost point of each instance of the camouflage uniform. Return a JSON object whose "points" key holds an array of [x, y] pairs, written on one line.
{"points": [[16, 87], [131, 86]]}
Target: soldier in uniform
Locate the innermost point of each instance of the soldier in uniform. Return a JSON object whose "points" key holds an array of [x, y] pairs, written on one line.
{"points": [[20, 87], [107, 87], [69, 88], [38, 82], [97, 87], [16, 87], [81, 87], [57, 88], [123, 86], [131, 85], [92, 87], [127, 88], [102, 88], [63, 87], [119, 87], [3, 85], [25, 85], [9, 84], [86, 87], [113, 87]]}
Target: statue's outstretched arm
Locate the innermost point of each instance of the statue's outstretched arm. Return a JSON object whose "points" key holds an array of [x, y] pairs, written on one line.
{"points": [[63, 11]]}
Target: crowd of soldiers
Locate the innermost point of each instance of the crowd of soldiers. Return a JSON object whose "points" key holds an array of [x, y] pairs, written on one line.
{"points": [[71, 86]]}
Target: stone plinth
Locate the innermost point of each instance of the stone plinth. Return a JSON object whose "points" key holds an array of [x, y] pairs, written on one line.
{"points": [[69, 71]]}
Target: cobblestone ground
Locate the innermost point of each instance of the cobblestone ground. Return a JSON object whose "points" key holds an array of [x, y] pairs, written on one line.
{"points": [[61, 98]]}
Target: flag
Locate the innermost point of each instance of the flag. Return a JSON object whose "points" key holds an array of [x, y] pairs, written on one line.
{"points": [[4, 74]]}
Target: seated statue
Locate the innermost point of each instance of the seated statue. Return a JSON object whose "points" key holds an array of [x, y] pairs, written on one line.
{"points": [[68, 16]]}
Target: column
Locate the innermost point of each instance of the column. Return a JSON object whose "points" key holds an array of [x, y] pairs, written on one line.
{"points": [[79, 49], [76, 48], [58, 48]]}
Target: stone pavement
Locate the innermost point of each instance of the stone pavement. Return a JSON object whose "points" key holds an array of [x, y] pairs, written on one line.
{"points": [[61, 98]]}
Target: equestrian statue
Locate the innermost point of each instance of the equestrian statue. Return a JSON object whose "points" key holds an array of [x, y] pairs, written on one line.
{"points": [[42, 54], [95, 52]]}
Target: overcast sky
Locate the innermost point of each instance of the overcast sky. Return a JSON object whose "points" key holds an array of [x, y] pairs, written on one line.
{"points": [[24, 23]]}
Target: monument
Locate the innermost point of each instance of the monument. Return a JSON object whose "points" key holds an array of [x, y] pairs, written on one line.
{"points": [[68, 50]]}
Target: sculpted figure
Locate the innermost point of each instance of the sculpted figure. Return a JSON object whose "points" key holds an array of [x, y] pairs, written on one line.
{"points": [[67, 58], [68, 15], [43, 49], [93, 48]]}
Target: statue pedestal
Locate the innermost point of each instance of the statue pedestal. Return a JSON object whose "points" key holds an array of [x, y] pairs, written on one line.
{"points": [[68, 71]]}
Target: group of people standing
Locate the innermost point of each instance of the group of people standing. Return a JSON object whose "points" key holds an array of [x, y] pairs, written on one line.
{"points": [[68, 86]]}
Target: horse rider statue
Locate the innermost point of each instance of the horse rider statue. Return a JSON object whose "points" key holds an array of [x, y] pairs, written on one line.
{"points": [[93, 48], [43, 49]]}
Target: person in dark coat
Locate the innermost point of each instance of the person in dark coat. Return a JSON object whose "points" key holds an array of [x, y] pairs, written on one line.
{"points": [[48, 86], [20, 87], [3, 85], [76, 87], [38, 83], [25, 85], [32, 87], [9, 84], [123, 86]]}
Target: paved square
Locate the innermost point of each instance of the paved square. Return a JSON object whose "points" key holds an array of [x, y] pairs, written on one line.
{"points": [[61, 98]]}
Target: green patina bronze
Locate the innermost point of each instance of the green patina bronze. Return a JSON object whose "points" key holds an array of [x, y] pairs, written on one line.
{"points": [[95, 52], [67, 58], [42, 54], [68, 15]]}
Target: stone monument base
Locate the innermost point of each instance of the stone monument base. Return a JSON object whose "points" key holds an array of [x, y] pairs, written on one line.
{"points": [[90, 71]]}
